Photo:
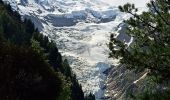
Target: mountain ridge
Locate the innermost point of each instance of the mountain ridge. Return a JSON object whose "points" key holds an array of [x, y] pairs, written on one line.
{"points": [[81, 30]]}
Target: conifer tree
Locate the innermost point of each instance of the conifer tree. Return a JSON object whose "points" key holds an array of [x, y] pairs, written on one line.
{"points": [[23, 47], [151, 40], [90, 97]]}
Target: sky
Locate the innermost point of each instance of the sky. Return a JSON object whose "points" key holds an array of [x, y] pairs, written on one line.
{"points": [[138, 3]]}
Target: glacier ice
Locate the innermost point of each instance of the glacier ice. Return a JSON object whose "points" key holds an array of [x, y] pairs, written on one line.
{"points": [[81, 29]]}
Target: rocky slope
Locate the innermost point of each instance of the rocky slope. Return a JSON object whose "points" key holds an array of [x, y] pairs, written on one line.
{"points": [[81, 29]]}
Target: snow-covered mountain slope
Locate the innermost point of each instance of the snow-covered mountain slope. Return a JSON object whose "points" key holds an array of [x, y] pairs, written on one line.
{"points": [[81, 29]]}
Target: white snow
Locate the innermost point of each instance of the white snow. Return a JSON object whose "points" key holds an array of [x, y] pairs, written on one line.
{"points": [[83, 43]]}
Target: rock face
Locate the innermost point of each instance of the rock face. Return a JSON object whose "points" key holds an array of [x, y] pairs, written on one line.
{"points": [[81, 30], [121, 82]]}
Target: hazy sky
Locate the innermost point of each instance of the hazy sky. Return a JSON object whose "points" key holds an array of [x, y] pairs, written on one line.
{"points": [[138, 3]]}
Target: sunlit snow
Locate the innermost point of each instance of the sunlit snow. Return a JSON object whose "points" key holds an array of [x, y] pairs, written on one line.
{"points": [[81, 29]]}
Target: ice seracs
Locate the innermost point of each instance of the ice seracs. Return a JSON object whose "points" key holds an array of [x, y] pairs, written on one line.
{"points": [[81, 30]]}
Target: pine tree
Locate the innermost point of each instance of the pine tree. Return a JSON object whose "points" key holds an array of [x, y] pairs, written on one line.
{"points": [[67, 69], [24, 75], [150, 49], [90, 97], [26, 49], [151, 44], [1, 31], [1, 2]]}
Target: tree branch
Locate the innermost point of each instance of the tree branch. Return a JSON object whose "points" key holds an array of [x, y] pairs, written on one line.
{"points": [[146, 23], [152, 2]]}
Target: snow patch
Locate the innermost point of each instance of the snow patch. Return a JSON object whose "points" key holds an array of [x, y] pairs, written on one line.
{"points": [[81, 29]]}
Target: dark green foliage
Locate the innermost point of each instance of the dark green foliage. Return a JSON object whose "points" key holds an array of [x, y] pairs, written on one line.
{"points": [[31, 56], [67, 71], [29, 26], [13, 29], [76, 93], [1, 2], [150, 50], [90, 97], [24, 75], [55, 58], [65, 94], [51, 50], [151, 46], [76, 89]]}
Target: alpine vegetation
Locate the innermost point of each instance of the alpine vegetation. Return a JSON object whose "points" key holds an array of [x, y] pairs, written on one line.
{"points": [[149, 51]]}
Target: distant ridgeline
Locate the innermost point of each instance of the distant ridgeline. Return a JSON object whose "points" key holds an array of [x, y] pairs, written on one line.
{"points": [[31, 68]]}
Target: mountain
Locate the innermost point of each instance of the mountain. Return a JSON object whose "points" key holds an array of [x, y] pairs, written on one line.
{"points": [[81, 30]]}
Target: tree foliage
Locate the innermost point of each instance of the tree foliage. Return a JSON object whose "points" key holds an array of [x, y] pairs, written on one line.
{"points": [[90, 97], [25, 75], [151, 40], [150, 49], [31, 68]]}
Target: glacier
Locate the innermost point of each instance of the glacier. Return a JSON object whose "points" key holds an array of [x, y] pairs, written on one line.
{"points": [[81, 30]]}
